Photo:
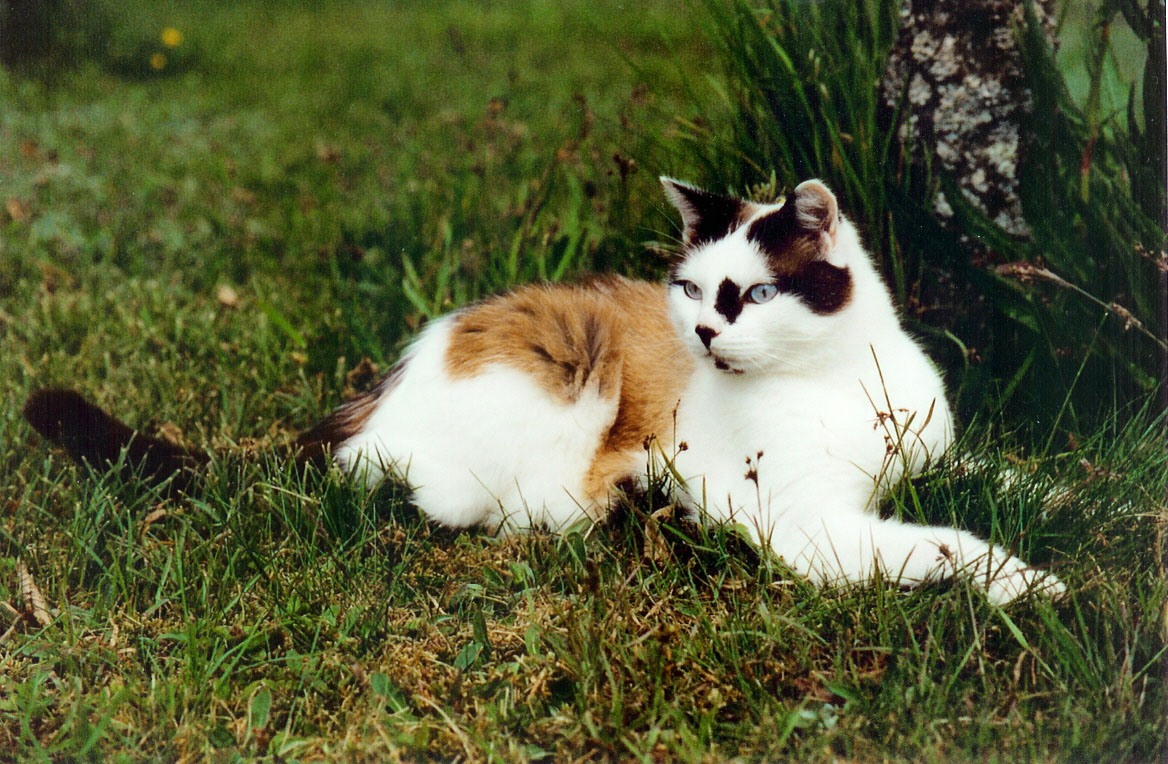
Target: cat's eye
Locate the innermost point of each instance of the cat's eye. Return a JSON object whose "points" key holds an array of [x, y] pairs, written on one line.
{"points": [[692, 290], [760, 293]]}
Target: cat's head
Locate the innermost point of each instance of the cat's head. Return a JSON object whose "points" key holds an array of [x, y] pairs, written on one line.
{"points": [[759, 287]]}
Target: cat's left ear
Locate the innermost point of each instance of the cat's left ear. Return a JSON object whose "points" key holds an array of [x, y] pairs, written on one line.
{"points": [[816, 210], [705, 216]]}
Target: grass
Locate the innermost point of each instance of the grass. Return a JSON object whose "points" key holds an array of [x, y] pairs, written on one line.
{"points": [[214, 250], [280, 616]]}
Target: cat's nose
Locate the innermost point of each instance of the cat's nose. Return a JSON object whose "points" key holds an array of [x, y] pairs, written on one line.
{"points": [[706, 334]]}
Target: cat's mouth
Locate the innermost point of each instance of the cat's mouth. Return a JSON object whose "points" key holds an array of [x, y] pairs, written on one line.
{"points": [[721, 365]]}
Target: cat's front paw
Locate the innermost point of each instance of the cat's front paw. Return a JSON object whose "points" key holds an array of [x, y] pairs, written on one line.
{"points": [[1020, 580]]}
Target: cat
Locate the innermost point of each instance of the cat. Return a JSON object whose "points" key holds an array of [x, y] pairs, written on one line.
{"points": [[769, 374]]}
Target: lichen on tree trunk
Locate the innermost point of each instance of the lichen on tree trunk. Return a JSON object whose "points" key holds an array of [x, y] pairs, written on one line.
{"points": [[955, 81]]}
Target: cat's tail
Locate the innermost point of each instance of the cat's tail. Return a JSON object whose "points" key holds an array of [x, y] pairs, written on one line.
{"points": [[90, 435]]}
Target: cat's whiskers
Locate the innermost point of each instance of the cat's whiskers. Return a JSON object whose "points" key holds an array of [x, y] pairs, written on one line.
{"points": [[795, 364]]}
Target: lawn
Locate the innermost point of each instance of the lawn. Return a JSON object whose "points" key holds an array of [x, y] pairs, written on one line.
{"points": [[223, 244]]}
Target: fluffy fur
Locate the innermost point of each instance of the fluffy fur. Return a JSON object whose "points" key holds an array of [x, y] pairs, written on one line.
{"points": [[526, 410], [771, 370], [802, 411]]}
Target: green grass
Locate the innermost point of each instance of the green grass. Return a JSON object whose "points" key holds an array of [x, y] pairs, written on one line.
{"points": [[348, 173]]}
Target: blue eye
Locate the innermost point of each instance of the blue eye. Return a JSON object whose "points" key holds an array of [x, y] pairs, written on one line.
{"points": [[760, 293], [692, 290]]}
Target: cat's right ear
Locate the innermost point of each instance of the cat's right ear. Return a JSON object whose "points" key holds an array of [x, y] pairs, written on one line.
{"points": [[816, 210], [705, 216]]}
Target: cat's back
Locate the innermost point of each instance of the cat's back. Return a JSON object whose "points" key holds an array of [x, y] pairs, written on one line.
{"points": [[564, 337], [525, 408], [611, 332]]}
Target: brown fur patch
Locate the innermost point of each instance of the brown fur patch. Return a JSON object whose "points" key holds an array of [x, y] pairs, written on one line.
{"points": [[824, 287], [612, 332], [795, 255]]}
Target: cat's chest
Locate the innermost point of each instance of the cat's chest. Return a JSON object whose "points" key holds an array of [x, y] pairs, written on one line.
{"points": [[750, 414], [740, 439]]}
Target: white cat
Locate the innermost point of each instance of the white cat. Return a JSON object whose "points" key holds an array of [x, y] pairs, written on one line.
{"points": [[808, 400], [771, 372]]}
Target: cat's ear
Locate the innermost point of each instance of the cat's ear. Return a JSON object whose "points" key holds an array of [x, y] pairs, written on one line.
{"points": [[804, 228], [816, 210], [705, 216]]}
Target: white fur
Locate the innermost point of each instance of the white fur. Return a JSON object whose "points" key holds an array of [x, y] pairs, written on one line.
{"points": [[839, 407], [830, 410], [493, 449]]}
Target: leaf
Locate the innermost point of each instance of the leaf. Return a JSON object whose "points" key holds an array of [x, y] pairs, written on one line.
{"points": [[1017, 632], [220, 737], [260, 709], [30, 595], [384, 687], [656, 549], [468, 655], [531, 638], [380, 684], [158, 514], [481, 636], [226, 296], [412, 289], [17, 210], [850, 695]]}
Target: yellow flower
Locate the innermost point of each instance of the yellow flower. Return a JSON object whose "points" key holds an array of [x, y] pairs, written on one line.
{"points": [[171, 37], [158, 61]]}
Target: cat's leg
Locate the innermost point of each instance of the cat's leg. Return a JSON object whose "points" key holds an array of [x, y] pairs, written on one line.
{"points": [[854, 547], [611, 474]]}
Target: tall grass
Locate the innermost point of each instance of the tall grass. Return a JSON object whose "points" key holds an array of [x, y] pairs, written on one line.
{"points": [[798, 86], [1060, 327]]}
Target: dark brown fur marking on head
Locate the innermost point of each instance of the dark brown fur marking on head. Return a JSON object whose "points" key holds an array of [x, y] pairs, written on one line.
{"points": [[728, 301], [794, 254], [706, 216], [824, 287]]}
